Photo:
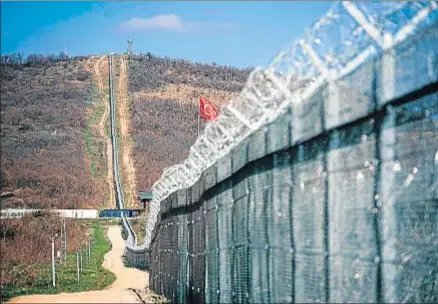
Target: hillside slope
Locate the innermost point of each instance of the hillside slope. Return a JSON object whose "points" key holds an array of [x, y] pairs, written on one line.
{"points": [[54, 116], [51, 153], [164, 95], [127, 169]]}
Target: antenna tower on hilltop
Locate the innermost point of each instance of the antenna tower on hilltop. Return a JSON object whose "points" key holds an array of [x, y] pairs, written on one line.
{"points": [[129, 51], [65, 49]]}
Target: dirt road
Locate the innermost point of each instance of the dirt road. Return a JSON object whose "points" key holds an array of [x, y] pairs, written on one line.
{"points": [[129, 287], [128, 171], [102, 122]]}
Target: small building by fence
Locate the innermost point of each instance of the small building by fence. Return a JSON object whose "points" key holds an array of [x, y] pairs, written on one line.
{"points": [[145, 198]]}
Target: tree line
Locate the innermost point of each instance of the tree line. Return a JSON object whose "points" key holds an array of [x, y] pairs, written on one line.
{"points": [[16, 59]]}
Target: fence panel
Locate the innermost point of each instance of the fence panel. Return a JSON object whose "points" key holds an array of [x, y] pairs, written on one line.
{"points": [[352, 246], [280, 231], [241, 245], [409, 202], [212, 252], [309, 222], [225, 241]]}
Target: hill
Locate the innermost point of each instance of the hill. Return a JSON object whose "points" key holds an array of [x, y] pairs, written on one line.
{"points": [[46, 141], [164, 95], [52, 147]]}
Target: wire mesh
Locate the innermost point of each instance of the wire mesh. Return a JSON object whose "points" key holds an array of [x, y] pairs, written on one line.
{"points": [[318, 183]]}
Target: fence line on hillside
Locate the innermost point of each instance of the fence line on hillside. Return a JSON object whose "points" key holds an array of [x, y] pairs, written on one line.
{"points": [[136, 255], [318, 183]]}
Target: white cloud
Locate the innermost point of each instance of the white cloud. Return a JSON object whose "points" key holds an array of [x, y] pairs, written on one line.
{"points": [[171, 23]]}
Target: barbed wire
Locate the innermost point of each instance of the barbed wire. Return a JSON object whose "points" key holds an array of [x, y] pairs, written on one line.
{"points": [[347, 36]]}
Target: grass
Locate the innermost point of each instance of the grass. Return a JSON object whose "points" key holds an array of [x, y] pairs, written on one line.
{"points": [[108, 127], [122, 144], [92, 277], [108, 121], [139, 226], [120, 148], [94, 146]]}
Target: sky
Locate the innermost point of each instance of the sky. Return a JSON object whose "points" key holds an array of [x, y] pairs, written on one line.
{"points": [[235, 33]]}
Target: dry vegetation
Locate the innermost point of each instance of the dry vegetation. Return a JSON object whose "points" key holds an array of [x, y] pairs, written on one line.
{"points": [[53, 154], [127, 170], [53, 148], [25, 245], [49, 155], [25, 260], [164, 96]]}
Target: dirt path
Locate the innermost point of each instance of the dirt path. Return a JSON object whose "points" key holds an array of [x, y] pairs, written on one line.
{"points": [[103, 119], [129, 287], [128, 166]]}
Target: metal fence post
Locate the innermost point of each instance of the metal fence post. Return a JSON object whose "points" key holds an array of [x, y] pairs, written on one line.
{"points": [[53, 262], [81, 259], [77, 265], [4, 235], [65, 244], [60, 252]]}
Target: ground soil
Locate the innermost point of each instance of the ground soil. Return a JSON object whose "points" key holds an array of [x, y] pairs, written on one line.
{"points": [[131, 285], [128, 171]]}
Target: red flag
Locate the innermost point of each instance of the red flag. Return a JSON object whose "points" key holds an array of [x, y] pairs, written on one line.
{"points": [[208, 109]]}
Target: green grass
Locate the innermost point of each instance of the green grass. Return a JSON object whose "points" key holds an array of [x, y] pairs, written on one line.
{"points": [[139, 226], [94, 146], [107, 123], [108, 127], [92, 277], [128, 201], [120, 151]]}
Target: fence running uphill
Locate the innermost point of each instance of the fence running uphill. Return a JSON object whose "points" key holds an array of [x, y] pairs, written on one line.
{"points": [[136, 255], [319, 182]]}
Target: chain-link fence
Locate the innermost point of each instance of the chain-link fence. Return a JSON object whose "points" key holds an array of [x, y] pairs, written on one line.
{"points": [[320, 182]]}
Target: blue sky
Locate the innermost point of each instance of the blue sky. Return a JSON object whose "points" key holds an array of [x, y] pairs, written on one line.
{"points": [[241, 34]]}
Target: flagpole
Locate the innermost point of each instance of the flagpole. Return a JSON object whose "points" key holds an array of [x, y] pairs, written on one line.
{"points": [[199, 117]]}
